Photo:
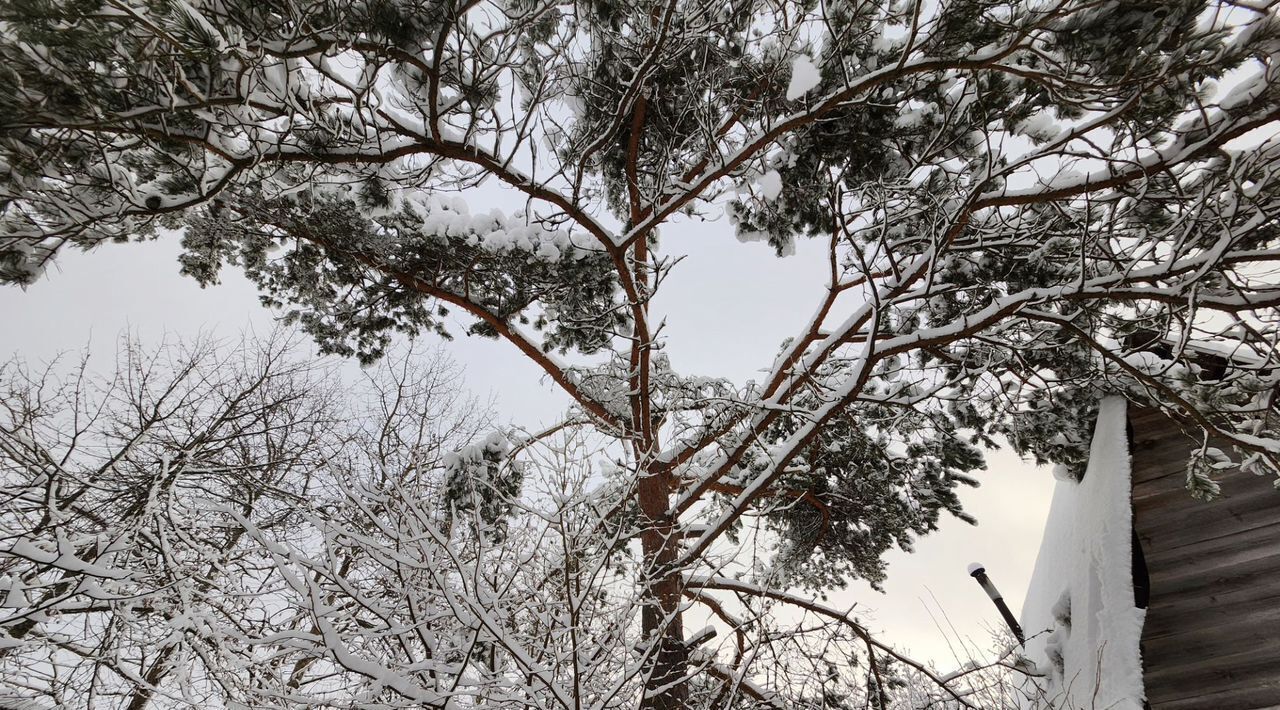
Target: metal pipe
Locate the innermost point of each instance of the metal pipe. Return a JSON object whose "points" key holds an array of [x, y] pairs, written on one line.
{"points": [[978, 572]]}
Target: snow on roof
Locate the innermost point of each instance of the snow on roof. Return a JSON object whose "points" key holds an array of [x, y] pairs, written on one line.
{"points": [[1082, 627]]}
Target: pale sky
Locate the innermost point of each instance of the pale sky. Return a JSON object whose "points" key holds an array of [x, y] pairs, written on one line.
{"points": [[727, 307]]}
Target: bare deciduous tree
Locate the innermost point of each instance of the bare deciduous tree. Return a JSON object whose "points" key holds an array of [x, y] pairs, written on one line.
{"points": [[143, 512]]}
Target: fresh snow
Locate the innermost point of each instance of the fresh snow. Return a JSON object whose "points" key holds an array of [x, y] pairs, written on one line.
{"points": [[1040, 126], [1083, 629], [770, 185], [910, 118], [804, 77]]}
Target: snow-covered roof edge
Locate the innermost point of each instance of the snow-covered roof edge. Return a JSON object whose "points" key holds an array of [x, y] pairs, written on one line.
{"points": [[1083, 629]]}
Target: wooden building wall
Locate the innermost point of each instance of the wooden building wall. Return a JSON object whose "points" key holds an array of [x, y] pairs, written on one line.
{"points": [[1212, 635]]}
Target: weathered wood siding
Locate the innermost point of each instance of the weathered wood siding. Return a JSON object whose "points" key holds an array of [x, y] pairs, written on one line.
{"points": [[1212, 635]]}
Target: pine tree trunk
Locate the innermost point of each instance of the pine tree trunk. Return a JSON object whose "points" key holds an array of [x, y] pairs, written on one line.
{"points": [[666, 687]]}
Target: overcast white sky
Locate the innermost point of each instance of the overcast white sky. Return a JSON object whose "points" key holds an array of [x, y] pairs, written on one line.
{"points": [[727, 306]]}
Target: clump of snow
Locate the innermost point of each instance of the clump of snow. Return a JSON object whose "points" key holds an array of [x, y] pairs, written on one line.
{"points": [[1247, 90], [890, 39], [754, 235], [495, 445], [910, 118], [770, 185], [493, 230], [1067, 178], [1040, 126], [1146, 362], [1062, 611], [1082, 626], [15, 593], [804, 77]]}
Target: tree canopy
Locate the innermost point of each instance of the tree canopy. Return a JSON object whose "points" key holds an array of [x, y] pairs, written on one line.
{"points": [[1024, 205]]}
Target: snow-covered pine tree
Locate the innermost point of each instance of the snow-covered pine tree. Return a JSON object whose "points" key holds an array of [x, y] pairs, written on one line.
{"points": [[1009, 191]]}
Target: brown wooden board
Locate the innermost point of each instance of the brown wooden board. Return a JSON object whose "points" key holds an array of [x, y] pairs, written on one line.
{"points": [[1261, 615], [1212, 635], [1259, 697]]}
